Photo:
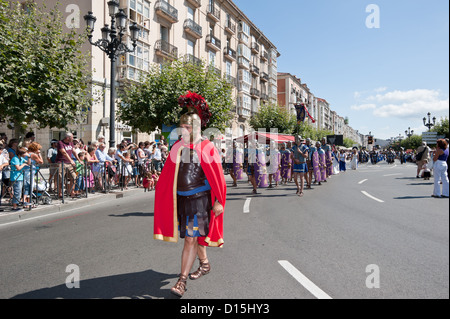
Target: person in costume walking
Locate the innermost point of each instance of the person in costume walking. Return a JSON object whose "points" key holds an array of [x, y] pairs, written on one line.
{"points": [[286, 164], [315, 159], [300, 167], [328, 157], [191, 192]]}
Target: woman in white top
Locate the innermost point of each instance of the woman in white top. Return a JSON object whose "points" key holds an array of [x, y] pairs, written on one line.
{"points": [[354, 162]]}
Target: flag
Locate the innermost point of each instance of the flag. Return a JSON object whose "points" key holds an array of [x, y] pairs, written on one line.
{"points": [[302, 112]]}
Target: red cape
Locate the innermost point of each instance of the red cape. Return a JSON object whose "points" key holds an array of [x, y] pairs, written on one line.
{"points": [[166, 220]]}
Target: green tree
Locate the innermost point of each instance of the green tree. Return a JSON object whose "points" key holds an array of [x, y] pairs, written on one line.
{"points": [[153, 102], [412, 142], [442, 127], [44, 78], [272, 116]]}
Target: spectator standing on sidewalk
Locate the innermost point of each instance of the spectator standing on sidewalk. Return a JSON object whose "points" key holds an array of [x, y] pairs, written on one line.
{"points": [[157, 158], [51, 159], [440, 170], [422, 155], [65, 151], [18, 164]]}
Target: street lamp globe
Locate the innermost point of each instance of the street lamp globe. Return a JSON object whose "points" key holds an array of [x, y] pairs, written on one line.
{"points": [[90, 21], [134, 29], [105, 32], [113, 7], [121, 18]]}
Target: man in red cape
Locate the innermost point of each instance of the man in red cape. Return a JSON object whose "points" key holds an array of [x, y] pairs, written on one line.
{"points": [[167, 201]]}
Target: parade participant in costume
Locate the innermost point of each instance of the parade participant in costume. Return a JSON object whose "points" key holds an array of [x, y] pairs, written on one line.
{"points": [[323, 165], [291, 149], [261, 176], [191, 192], [315, 158], [252, 166], [300, 167], [230, 159], [308, 176], [274, 165], [238, 162], [328, 157], [286, 164]]}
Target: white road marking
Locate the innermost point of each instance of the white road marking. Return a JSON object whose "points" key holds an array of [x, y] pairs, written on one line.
{"points": [[363, 181], [247, 206], [392, 175], [305, 282], [372, 197]]}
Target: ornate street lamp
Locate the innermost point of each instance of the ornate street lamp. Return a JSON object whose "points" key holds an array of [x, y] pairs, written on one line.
{"points": [[111, 43], [409, 133], [430, 124]]}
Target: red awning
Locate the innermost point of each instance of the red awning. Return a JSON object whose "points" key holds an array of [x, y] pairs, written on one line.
{"points": [[266, 138]]}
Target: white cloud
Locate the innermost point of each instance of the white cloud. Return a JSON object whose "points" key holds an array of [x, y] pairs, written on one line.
{"points": [[403, 104], [363, 107]]}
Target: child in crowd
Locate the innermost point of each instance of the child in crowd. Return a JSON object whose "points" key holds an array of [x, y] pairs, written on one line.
{"points": [[148, 182], [155, 177], [426, 170], [80, 172], [128, 169]]}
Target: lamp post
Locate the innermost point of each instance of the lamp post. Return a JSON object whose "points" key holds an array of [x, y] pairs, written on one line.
{"points": [[112, 44], [409, 133], [429, 124]]}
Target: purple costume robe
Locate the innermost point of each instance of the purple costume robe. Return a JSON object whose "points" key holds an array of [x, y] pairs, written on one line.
{"points": [[286, 164], [238, 160], [261, 176], [316, 166], [323, 165]]}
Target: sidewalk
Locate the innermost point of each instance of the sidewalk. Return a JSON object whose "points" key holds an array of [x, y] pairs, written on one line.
{"points": [[8, 216]]}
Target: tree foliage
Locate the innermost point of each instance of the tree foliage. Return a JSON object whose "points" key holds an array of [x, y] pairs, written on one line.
{"points": [[44, 77], [151, 103], [442, 127], [272, 116]]}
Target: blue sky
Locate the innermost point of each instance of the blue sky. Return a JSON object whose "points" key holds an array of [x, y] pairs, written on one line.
{"points": [[384, 79]]}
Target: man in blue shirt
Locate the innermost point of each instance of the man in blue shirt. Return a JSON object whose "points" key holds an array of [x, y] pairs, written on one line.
{"points": [[300, 167]]}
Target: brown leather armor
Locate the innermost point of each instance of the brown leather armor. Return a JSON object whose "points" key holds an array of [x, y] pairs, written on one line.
{"points": [[190, 174]]}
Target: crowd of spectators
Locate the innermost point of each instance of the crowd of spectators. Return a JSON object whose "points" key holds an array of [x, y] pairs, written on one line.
{"points": [[74, 167]]}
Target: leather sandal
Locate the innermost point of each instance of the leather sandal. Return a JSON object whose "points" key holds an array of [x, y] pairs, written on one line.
{"points": [[180, 288], [203, 270]]}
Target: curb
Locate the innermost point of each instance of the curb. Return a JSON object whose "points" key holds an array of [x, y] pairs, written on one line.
{"points": [[43, 210]]}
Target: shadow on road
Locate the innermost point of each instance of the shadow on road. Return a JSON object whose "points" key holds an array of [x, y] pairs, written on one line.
{"points": [[141, 285], [133, 215]]}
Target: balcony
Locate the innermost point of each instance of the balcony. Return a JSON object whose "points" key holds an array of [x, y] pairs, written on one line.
{"points": [[166, 11], [255, 93], [230, 27], [213, 13], [243, 63], [264, 77], [254, 69], [231, 80], [213, 43], [166, 50], [264, 97], [195, 3], [255, 47], [193, 28], [264, 56], [229, 53], [189, 58], [215, 70]]}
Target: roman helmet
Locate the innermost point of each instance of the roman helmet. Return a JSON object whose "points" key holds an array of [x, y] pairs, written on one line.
{"points": [[198, 114]]}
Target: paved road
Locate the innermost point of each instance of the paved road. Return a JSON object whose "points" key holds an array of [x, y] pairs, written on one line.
{"points": [[329, 244]]}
